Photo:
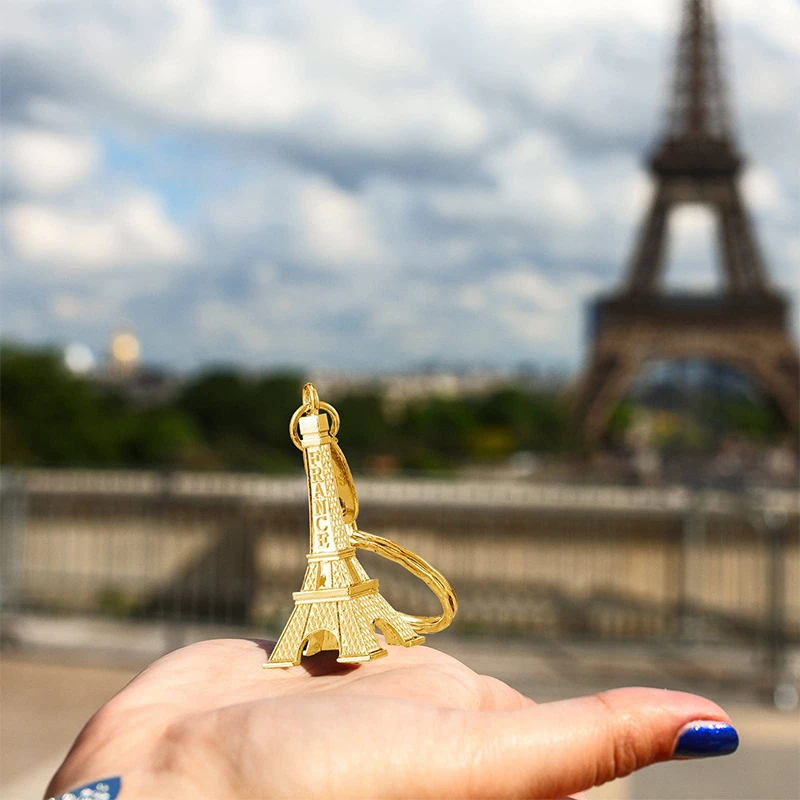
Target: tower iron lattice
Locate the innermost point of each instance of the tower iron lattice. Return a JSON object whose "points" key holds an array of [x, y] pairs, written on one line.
{"points": [[745, 323]]}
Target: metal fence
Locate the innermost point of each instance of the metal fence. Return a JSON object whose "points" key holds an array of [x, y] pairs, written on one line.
{"points": [[548, 562]]}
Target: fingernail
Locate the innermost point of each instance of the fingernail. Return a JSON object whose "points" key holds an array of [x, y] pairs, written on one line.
{"points": [[705, 738], [107, 789]]}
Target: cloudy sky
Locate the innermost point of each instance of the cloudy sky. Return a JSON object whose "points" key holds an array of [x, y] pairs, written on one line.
{"points": [[368, 185]]}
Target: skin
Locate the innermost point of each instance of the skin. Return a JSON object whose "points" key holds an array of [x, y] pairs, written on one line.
{"points": [[207, 721]]}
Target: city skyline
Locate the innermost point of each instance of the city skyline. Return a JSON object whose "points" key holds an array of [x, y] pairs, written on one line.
{"points": [[359, 188]]}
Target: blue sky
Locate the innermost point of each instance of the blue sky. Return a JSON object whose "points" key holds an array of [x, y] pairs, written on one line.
{"points": [[359, 185]]}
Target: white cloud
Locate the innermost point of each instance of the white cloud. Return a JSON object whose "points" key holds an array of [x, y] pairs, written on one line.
{"points": [[216, 318], [38, 161], [777, 22], [533, 183], [276, 322], [71, 308], [248, 82], [341, 78], [317, 224], [337, 228], [761, 190], [538, 310], [132, 232]]}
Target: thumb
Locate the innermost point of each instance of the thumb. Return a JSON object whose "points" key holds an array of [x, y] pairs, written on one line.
{"points": [[557, 749]]}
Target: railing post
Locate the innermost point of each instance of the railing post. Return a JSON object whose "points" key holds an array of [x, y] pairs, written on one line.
{"points": [[13, 498], [693, 535], [783, 693]]}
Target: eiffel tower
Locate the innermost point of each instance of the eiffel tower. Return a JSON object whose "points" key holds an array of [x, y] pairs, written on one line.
{"points": [[744, 325]]}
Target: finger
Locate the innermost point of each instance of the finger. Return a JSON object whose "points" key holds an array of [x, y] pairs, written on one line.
{"points": [[557, 749]]}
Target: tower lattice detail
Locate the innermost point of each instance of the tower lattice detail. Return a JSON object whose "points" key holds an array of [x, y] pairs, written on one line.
{"points": [[745, 324]]}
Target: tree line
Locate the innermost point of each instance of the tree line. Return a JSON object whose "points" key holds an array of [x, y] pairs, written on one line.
{"points": [[224, 419]]}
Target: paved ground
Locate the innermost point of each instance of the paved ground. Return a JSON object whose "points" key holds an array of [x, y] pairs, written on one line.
{"points": [[48, 691], [44, 704]]}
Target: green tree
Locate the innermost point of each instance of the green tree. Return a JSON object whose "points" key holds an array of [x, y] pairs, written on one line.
{"points": [[435, 433], [245, 419], [54, 418], [535, 421], [757, 420], [367, 433], [161, 437]]}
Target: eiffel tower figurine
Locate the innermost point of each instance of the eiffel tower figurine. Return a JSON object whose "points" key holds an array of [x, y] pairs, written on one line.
{"points": [[746, 324], [338, 605]]}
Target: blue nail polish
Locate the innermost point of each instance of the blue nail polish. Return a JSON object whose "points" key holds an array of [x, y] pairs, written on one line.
{"points": [[706, 738], [106, 789]]}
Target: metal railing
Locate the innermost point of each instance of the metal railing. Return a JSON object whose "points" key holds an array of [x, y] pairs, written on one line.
{"points": [[668, 566]]}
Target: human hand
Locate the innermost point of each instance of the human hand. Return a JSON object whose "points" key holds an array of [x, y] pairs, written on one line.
{"points": [[207, 721]]}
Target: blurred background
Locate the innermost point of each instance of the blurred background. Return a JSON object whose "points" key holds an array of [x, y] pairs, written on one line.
{"points": [[433, 212]]}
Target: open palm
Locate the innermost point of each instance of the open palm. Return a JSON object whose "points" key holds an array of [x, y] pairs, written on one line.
{"points": [[208, 722]]}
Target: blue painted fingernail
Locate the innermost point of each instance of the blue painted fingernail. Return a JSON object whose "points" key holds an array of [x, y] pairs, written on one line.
{"points": [[705, 738], [106, 789]]}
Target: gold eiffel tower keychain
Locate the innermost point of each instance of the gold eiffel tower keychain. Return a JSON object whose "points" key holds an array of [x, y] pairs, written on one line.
{"points": [[338, 606]]}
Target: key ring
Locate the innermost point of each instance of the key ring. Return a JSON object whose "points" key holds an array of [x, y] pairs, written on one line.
{"points": [[419, 567]]}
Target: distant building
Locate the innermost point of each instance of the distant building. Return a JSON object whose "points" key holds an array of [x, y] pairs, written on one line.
{"points": [[124, 372], [401, 388]]}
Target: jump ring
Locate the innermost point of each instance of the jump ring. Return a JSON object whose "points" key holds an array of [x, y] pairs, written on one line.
{"points": [[321, 405], [310, 398], [333, 414]]}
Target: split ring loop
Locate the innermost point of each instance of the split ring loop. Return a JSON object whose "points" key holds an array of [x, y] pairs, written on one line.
{"points": [[417, 566]]}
